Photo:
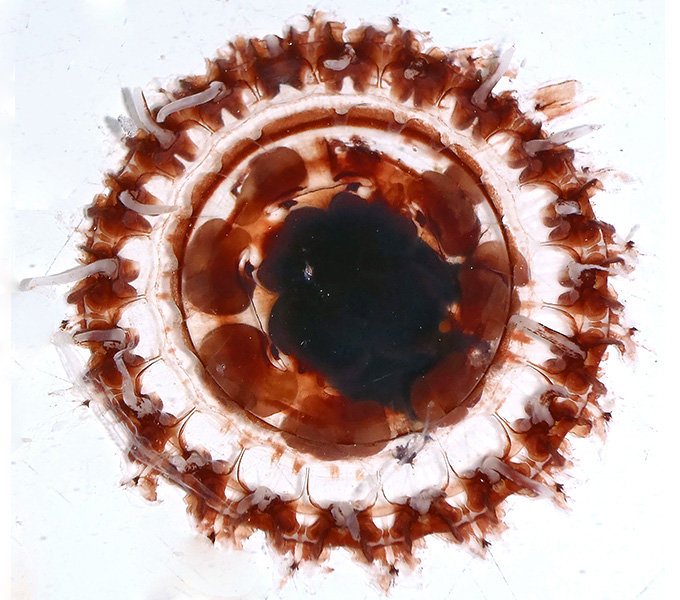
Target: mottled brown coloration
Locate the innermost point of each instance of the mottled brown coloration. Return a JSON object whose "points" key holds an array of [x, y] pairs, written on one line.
{"points": [[216, 279]]}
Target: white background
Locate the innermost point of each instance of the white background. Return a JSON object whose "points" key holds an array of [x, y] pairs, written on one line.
{"points": [[77, 534]]}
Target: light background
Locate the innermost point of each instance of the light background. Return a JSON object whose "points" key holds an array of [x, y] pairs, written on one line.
{"points": [[76, 534]]}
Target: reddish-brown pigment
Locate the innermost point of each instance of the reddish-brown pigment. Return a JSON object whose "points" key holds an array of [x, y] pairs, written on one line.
{"points": [[241, 364]]}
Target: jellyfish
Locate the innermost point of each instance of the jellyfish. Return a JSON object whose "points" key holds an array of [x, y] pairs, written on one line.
{"points": [[342, 292]]}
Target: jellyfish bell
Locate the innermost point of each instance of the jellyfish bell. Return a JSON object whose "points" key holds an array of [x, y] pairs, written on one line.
{"points": [[341, 292]]}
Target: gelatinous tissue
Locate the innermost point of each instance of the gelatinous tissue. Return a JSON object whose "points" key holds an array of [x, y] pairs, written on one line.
{"points": [[342, 292]]}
